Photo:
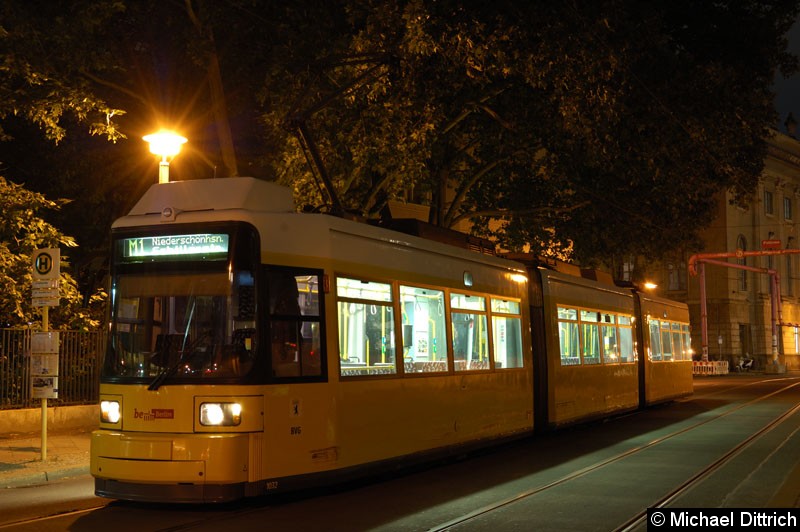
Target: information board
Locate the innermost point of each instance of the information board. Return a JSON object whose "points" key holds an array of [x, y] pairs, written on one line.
{"points": [[44, 365]]}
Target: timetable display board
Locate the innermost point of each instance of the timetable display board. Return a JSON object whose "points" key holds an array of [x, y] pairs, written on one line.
{"points": [[174, 247], [44, 365]]}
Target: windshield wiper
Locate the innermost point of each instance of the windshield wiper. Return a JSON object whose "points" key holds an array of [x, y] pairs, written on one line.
{"points": [[170, 371]]}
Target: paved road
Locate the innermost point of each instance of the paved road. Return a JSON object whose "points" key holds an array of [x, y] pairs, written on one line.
{"points": [[592, 477]]}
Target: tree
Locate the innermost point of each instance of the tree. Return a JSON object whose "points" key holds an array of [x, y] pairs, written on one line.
{"points": [[23, 231], [46, 49], [40, 70], [595, 129], [603, 128]]}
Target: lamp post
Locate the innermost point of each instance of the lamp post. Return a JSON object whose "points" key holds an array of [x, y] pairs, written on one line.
{"points": [[164, 144]]}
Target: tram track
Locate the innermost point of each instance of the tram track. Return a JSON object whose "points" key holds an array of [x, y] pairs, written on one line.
{"points": [[188, 525], [702, 475], [45, 518], [638, 519], [184, 518]]}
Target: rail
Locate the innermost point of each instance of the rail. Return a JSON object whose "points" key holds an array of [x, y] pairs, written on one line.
{"points": [[80, 354]]}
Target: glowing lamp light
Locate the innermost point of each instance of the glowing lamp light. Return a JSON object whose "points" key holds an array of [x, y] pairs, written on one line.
{"points": [[164, 144], [110, 411], [650, 286], [518, 278], [220, 414]]}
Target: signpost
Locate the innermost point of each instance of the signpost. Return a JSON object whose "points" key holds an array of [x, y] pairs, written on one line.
{"points": [[44, 345]]}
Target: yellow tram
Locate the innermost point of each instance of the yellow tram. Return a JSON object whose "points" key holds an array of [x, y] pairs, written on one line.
{"points": [[665, 340], [602, 349], [254, 349]]}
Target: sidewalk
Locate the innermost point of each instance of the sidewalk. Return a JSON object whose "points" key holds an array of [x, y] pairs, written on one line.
{"points": [[21, 457]]}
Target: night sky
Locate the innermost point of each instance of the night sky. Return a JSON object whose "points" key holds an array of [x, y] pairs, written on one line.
{"points": [[788, 90]]}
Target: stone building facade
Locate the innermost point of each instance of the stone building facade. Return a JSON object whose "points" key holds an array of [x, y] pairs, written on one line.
{"points": [[738, 302]]}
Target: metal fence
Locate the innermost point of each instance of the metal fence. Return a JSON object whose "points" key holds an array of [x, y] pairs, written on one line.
{"points": [[80, 355]]}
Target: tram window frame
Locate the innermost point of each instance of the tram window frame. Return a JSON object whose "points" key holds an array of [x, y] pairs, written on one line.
{"points": [[350, 296], [507, 321], [686, 341], [677, 343], [411, 341], [654, 332], [292, 323], [569, 340], [627, 353], [471, 307], [608, 329], [226, 366], [667, 350], [577, 326], [590, 327]]}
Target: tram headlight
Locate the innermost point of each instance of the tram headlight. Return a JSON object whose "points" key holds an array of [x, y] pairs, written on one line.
{"points": [[110, 412], [220, 414]]}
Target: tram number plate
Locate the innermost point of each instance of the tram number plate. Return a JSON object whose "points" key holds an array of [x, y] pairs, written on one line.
{"points": [[272, 484], [294, 431]]}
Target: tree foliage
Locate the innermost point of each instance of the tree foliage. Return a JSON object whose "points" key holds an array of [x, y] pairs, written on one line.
{"points": [[595, 129], [22, 232], [43, 61], [603, 127]]}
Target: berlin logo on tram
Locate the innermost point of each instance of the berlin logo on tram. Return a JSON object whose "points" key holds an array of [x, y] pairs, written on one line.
{"points": [[153, 414]]}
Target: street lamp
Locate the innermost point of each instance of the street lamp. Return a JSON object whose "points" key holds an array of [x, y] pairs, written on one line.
{"points": [[165, 144]]}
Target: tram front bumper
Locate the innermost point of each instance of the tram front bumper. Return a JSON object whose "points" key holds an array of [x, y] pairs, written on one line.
{"points": [[170, 467]]}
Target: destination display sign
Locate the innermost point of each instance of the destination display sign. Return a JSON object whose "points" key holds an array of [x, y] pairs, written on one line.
{"points": [[174, 247]]}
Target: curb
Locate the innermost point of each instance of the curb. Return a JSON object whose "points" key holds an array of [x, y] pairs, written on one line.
{"points": [[37, 479]]}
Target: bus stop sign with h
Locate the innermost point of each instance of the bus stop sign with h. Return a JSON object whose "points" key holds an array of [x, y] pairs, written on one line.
{"points": [[44, 344]]}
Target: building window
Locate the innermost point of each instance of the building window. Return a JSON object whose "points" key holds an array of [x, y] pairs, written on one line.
{"points": [[674, 283], [787, 208], [741, 243], [769, 208], [788, 277], [677, 276], [626, 269]]}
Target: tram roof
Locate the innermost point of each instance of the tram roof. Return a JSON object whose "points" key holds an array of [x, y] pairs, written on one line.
{"points": [[257, 200], [246, 193]]}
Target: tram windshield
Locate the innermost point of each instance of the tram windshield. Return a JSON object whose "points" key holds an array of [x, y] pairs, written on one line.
{"points": [[181, 322]]}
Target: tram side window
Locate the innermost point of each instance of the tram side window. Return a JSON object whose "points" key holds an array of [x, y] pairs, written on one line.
{"points": [[295, 323], [366, 328], [687, 342], [677, 344], [470, 335], [666, 341], [608, 336], [424, 329], [626, 351], [591, 336], [506, 334], [655, 340], [569, 341]]}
